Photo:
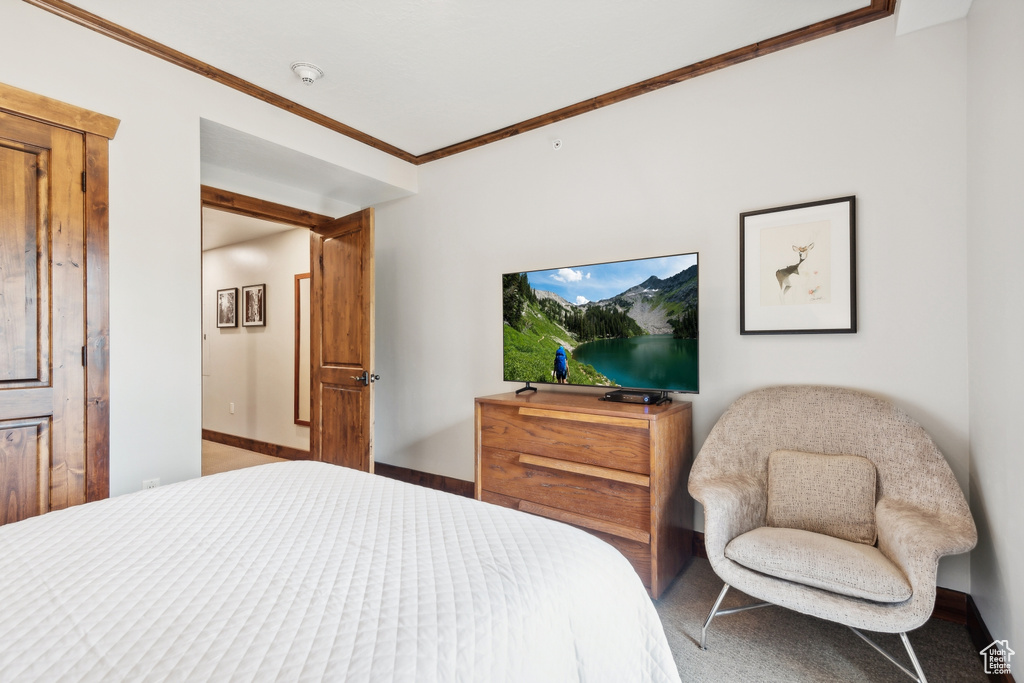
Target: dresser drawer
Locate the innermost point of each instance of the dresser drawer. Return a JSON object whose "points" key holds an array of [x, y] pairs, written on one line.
{"points": [[620, 499], [621, 443], [638, 553]]}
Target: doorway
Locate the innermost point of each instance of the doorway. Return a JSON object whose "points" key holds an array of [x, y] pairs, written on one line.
{"points": [[256, 335]]}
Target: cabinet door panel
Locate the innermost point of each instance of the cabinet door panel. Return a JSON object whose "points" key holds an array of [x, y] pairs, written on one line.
{"points": [[42, 317], [24, 469]]}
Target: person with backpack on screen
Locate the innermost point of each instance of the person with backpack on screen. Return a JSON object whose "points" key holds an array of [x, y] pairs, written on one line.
{"points": [[561, 370]]}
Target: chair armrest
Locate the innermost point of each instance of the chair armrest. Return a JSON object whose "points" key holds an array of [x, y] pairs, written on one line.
{"points": [[914, 538], [733, 505]]}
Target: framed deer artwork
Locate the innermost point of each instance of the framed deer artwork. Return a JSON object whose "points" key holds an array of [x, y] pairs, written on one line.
{"points": [[798, 270]]}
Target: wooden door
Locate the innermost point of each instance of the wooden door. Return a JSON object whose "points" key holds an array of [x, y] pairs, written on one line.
{"points": [[341, 342], [42, 318]]}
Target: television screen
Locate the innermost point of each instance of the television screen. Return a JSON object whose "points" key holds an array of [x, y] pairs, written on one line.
{"points": [[629, 324]]}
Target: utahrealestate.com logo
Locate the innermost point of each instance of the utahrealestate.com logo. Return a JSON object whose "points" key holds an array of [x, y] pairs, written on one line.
{"points": [[997, 657]]}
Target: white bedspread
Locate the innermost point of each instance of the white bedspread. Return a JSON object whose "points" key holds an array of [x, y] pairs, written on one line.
{"points": [[305, 571]]}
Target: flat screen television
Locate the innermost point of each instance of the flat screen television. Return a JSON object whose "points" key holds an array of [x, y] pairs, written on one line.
{"points": [[625, 324]]}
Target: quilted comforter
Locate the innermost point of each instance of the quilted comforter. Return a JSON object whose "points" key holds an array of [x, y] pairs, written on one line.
{"points": [[303, 571]]}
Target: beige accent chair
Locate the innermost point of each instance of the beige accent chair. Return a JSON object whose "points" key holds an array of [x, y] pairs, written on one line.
{"points": [[787, 522]]}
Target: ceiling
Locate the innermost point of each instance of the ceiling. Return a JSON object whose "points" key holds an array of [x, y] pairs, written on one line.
{"points": [[422, 75], [221, 228], [422, 79]]}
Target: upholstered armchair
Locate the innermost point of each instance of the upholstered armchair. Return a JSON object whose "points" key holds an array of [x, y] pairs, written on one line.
{"points": [[832, 503]]}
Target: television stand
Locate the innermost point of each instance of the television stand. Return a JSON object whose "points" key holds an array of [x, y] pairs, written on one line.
{"points": [[617, 470], [526, 388]]}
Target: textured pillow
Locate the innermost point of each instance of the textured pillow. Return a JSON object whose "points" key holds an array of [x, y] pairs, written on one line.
{"points": [[827, 494], [854, 569]]}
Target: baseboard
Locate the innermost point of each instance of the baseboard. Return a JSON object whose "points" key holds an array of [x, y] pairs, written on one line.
{"points": [[459, 487], [262, 447], [982, 637]]}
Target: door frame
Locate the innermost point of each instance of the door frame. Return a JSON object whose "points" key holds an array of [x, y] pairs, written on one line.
{"points": [[97, 131], [244, 205]]}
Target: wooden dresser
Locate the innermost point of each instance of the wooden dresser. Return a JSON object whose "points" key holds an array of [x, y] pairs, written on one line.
{"points": [[616, 470]]}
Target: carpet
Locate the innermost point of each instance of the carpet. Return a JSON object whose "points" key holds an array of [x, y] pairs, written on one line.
{"points": [[776, 644]]}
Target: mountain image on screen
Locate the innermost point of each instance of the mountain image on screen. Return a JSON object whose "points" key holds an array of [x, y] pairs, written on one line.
{"points": [[623, 324]]}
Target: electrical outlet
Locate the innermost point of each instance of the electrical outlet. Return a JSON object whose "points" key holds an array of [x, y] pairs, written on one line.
{"points": [[150, 483], [231, 408]]}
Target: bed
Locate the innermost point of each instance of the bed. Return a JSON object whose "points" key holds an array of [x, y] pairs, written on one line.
{"points": [[305, 571]]}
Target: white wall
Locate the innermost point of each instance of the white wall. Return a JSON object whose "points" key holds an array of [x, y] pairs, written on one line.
{"points": [[857, 113], [995, 178], [155, 337], [254, 367]]}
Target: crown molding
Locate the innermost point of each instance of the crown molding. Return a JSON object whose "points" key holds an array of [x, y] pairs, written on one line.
{"points": [[878, 9]]}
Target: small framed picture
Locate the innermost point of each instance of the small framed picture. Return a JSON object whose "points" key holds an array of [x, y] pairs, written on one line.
{"points": [[798, 270], [227, 307], [254, 305]]}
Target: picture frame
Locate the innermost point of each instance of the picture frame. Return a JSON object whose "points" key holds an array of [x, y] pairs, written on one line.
{"points": [[254, 305], [798, 268], [227, 307]]}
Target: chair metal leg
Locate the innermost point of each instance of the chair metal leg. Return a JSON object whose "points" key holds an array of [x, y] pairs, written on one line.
{"points": [[910, 651], [913, 658], [711, 615]]}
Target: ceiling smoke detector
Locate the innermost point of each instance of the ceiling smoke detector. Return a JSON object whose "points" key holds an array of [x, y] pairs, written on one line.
{"points": [[307, 72]]}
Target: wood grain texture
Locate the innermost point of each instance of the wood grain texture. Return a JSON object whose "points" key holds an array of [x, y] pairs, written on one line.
{"points": [[53, 111], [341, 341], [15, 403], [878, 9], [585, 417], [244, 205], [19, 310], [504, 426], [97, 307], [67, 307], [477, 451], [70, 386], [262, 447], [671, 505], [438, 482], [538, 455], [589, 523], [612, 501], [589, 470], [24, 469]]}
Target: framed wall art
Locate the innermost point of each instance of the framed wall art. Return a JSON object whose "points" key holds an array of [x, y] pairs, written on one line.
{"points": [[227, 307], [798, 268], [254, 308]]}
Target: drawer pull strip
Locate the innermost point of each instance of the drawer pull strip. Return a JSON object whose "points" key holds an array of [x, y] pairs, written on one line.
{"points": [[587, 417], [589, 470], [585, 522]]}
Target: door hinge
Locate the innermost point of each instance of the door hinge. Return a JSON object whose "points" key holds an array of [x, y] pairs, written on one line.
{"points": [[83, 181], [85, 358]]}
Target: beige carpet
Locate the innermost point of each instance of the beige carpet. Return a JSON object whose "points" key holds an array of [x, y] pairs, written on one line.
{"points": [[220, 458], [775, 644]]}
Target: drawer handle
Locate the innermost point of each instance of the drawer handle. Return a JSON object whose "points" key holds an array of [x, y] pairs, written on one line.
{"points": [[585, 522], [587, 417], [589, 470]]}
